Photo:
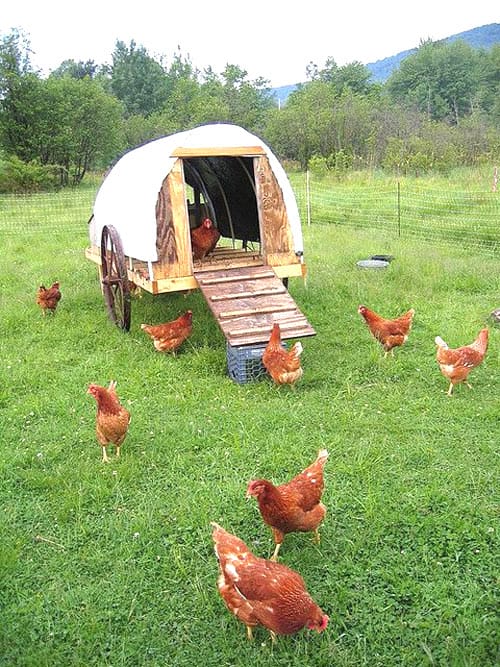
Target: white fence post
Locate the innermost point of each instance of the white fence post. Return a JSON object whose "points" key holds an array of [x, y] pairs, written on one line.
{"points": [[308, 198]]}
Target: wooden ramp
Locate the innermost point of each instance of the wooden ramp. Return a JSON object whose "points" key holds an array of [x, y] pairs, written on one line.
{"points": [[247, 301]]}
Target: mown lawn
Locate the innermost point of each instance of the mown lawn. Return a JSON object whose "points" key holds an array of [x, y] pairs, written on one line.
{"points": [[113, 564]]}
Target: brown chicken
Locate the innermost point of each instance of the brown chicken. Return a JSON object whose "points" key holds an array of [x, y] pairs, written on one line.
{"points": [[48, 299], [260, 592], [389, 333], [169, 337], [282, 365], [295, 506], [456, 364], [112, 419], [204, 239]]}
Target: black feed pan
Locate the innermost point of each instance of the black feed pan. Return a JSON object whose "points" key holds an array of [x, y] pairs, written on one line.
{"points": [[383, 258]]}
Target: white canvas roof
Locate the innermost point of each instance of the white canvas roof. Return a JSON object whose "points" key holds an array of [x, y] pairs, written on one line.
{"points": [[128, 195]]}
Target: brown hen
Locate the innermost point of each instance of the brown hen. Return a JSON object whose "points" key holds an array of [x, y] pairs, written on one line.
{"points": [[169, 337], [295, 506], [204, 239], [260, 592], [456, 364], [112, 418], [282, 365], [48, 298], [389, 333]]}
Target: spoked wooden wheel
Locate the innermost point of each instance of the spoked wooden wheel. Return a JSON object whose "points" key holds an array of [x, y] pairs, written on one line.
{"points": [[114, 278]]}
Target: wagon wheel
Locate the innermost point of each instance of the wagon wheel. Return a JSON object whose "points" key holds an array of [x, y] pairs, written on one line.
{"points": [[114, 278]]}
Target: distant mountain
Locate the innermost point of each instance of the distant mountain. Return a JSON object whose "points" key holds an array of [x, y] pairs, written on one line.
{"points": [[483, 37], [479, 38]]}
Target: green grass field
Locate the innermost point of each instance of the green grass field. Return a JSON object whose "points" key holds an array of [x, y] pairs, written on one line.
{"points": [[459, 208], [113, 564]]}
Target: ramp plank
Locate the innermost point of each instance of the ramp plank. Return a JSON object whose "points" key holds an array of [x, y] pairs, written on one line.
{"points": [[257, 298]]}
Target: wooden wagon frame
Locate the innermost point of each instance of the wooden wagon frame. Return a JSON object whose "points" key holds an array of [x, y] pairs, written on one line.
{"points": [[140, 230]]}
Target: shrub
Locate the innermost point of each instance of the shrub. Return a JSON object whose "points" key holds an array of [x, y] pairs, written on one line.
{"points": [[17, 176], [318, 165]]}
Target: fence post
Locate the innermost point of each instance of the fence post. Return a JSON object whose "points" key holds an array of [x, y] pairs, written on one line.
{"points": [[399, 209], [308, 198]]}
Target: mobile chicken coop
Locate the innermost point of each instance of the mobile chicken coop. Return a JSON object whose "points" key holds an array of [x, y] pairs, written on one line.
{"points": [[151, 198]]}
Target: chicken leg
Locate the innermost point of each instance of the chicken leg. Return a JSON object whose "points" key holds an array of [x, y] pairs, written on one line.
{"points": [[278, 538]]}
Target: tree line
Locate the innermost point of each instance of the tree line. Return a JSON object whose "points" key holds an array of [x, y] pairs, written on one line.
{"points": [[440, 109]]}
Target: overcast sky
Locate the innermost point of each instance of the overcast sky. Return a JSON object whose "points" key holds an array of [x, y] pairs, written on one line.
{"points": [[273, 39]]}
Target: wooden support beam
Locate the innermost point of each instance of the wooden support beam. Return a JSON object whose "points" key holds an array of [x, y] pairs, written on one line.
{"points": [[217, 151]]}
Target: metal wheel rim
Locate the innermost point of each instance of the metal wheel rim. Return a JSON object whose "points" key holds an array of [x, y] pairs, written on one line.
{"points": [[114, 278]]}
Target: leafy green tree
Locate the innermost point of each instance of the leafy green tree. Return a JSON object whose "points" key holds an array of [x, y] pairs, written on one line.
{"points": [[228, 97], [319, 121], [14, 64], [457, 67], [440, 79], [489, 89], [24, 115], [302, 128], [15, 60], [182, 109], [61, 121], [138, 130], [77, 70], [353, 76], [180, 69], [137, 80], [86, 126], [413, 83], [210, 105], [245, 101]]}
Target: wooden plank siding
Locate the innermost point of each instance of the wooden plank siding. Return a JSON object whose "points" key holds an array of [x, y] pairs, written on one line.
{"points": [[247, 301], [173, 242], [276, 235]]}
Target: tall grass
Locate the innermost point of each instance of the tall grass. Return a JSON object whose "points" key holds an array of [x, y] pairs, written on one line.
{"points": [[113, 564]]}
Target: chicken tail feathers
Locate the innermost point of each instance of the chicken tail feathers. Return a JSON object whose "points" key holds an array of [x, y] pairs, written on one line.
{"points": [[227, 546], [440, 342]]}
